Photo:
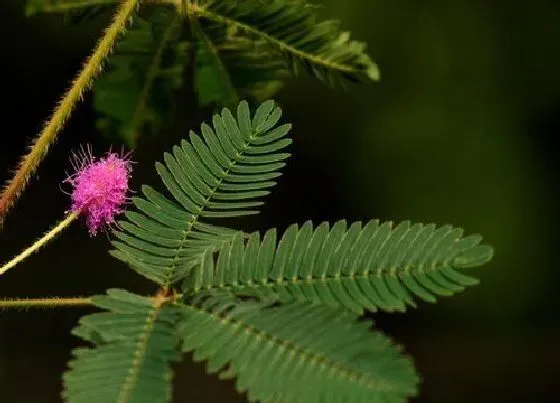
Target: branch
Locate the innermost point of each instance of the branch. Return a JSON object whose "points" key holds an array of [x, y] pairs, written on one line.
{"points": [[63, 302], [91, 69], [50, 302]]}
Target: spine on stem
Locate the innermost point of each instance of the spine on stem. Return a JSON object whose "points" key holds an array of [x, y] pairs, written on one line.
{"points": [[49, 302]]}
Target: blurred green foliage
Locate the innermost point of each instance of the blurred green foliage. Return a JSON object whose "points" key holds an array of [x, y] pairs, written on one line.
{"points": [[139, 86], [445, 136]]}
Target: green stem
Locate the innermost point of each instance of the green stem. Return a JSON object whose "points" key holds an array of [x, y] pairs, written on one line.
{"points": [[91, 69], [40, 242]]}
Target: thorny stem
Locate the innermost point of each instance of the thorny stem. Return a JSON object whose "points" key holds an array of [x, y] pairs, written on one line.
{"points": [[90, 70], [92, 67], [62, 302], [40, 242], [71, 302], [49, 302]]}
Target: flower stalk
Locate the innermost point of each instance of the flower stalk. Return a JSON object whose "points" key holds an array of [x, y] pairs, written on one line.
{"points": [[40, 242]]}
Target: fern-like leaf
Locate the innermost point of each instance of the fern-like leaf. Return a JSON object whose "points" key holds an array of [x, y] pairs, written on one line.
{"points": [[136, 93], [135, 342], [291, 27], [221, 174], [296, 353], [359, 267], [230, 66]]}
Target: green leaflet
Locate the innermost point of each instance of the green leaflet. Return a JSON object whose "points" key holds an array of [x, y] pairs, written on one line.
{"points": [[136, 94], [221, 174], [372, 266], [230, 66], [134, 343], [212, 80], [291, 28], [296, 353]]}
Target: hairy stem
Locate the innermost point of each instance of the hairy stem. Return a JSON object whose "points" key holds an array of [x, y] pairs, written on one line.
{"points": [[40, 242], [91, 69], [49, 302], [62, 302]]}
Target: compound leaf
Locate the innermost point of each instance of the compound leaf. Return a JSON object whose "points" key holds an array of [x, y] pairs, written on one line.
{"points": [[220, 174], [134, 343], [296, 352], [374, 266]]}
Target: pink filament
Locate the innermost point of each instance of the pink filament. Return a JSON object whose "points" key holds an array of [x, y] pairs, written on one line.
{"points": [[100, 188]]}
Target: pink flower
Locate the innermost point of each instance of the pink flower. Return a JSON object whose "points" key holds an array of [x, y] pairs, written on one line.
{"points": [[100, 187]]}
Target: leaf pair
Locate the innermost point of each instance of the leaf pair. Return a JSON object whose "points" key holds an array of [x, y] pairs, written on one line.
{"points": [[279, 315], [291, 353]]}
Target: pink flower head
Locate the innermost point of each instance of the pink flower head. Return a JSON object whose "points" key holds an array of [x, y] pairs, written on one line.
{"points": [[100, 187]]}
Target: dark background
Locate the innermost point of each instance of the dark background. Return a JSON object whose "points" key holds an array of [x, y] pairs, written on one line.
{"points": [[462, 129]]}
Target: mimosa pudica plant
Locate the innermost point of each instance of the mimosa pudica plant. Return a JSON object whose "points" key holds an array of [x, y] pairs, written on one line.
{"points": [[279, 312]]}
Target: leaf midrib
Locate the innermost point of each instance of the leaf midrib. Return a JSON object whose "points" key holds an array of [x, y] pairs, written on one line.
{"points": [[349, 374], [203, 205], [202, 11], [286, 282], [139, 353]]}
